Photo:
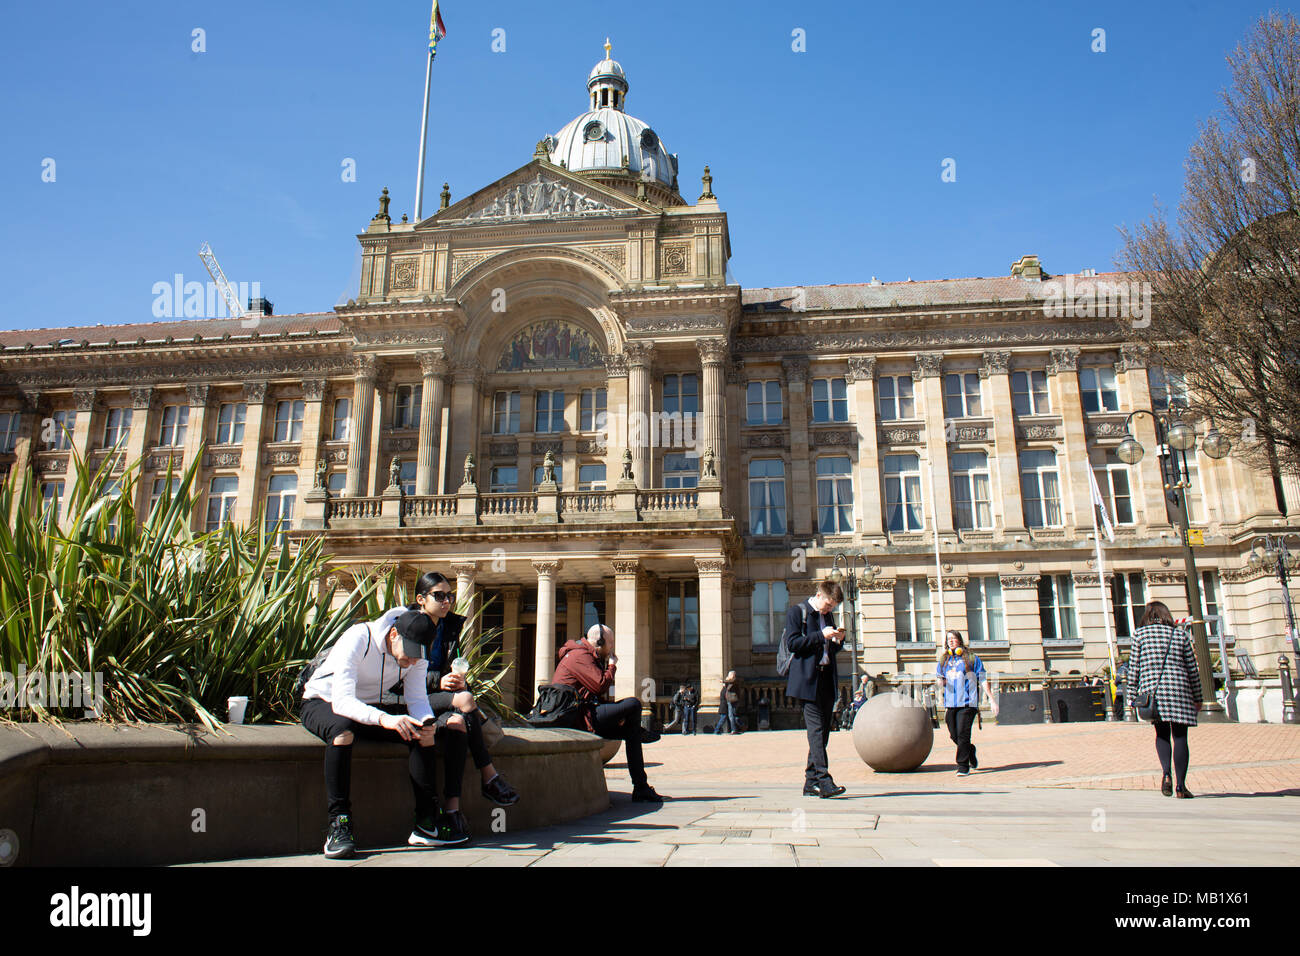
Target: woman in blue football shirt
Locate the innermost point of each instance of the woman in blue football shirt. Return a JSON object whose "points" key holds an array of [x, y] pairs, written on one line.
{"points": [[962, 674]]}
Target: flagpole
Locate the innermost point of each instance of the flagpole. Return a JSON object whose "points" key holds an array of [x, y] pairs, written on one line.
{"points": [[424, 135]]}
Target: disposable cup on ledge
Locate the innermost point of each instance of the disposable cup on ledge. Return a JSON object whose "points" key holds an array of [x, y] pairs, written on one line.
{"points": [[237, 707]]}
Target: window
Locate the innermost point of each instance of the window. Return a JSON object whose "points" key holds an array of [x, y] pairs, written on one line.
{"points": [[681, 395], [896, 399], [550, 412], [1029, 393], [1166, 389], [592, 410], [970, 491], [830, 400], [65, 426], [1056, 608], [767, 496], [591, 477], [505, 479], [51, 495], [111, 491], [1190, 467], [336, 482], [1112, 482], [230, 423], [406, 406], [962, 395], [763, 403], [505, 413], [9, 422], [1210, 597], [288, 421], [175, 422], [683, 613], [912, 610], [406, 476], [222, 495], [1128, 599], [161, 485], [767, 613], [904, 510], [282, 491], [681, 470], [1097, 388], [984, 609], [834, 496], [342, 429], [117, 426], [1040, 488], [537, 474]]}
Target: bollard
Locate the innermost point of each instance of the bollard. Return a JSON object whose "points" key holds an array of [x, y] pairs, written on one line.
{"points": [[1288, 689]]}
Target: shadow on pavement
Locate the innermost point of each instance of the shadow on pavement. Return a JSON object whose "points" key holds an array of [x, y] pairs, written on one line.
{"points": [[1270, 793]]}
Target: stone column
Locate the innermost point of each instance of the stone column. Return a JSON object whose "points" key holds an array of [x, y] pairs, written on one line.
{"points": [[929, 375], [631, 666], [639, 358], [196, 440], [464, 418], [713, 650], [144, 424], [712, 433], [871, 512], [313, 393], [1006, 470], [510, 595], [617, 408], [466, 593], [1076, 496], [732, 460], [251, 495], [1147, 485], [544, 652], [801, 466], [382, 420], [434, 368], [573, 595], [363, 402]]}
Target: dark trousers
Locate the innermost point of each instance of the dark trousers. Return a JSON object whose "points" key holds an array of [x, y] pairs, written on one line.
{"points": [[318, 717], [1178, 751], [817, 718], [960, 720], [726, 715], [441, 702], [688, 718], [622, 721]]}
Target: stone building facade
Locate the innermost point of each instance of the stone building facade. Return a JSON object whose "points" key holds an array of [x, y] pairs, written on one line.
{"points": [[551, 390]]}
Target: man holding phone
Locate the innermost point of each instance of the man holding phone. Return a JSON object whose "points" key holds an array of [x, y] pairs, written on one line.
{"points": [[339, 705], [815, 640]]}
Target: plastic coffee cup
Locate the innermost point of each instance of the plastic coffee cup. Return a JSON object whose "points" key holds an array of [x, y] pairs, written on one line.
{"points": [[460, 667], [237, 707]]}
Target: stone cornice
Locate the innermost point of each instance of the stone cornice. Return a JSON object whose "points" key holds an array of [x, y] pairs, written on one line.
{"points": [[181, 372], [1011, 334]]}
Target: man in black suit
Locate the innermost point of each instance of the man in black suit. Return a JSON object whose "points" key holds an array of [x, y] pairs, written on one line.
{"points": [[814, 640]]}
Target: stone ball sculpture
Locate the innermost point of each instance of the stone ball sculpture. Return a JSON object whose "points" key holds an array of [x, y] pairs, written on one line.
{"points": [[893, 733]]}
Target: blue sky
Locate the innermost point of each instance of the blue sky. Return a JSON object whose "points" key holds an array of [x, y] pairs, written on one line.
{"points": [[828, 161]]}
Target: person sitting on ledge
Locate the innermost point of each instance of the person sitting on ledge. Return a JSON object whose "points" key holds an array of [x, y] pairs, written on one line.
{"points": [[579, 667], [339, 705], [451, 697]]}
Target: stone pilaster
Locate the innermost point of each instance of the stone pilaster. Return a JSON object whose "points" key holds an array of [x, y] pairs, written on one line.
{"points": [[639, 359], [251, 494], [937, 493], [510, 595], [573, 594], [363, 399], [464, 418], [862, 379], [144, 427], [712, 435], [313, 415], [801, 466], [1006, 470], [632, 667], [617, 408], [1076, 496], [714, 653], [434, 369], [196, 439]]}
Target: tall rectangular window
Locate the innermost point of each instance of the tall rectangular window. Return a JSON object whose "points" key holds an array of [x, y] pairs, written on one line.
{"points": [[230, 423], [972, 508], [505, 413], [65, 426], [984, 609], [1056, 608], [9, 422], [681, 470], [406, 475], [830, 400], [904, 509], [222, 495], [1097, 389], [1167, 388], [336, 483], [767, 496], [282, 492], [1029, 395], [834, 496], [117, 426], [895, 397], [912, 610], [1128, 600], [763, 403], [342, 426], [288, 420], [1210, 597], [593, 409], [160, 488], [51, 496], [681, 395], [550, 412], [1192, 494], [1040, 489], [591, 477], [504, 480], [683, 613], [175, 422], [406, 406], [962, 395], [767, 613], [1113, 483]]}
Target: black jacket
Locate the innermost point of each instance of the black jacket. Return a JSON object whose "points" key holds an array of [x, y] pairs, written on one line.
{"points": [[452, 625], [807, 645]]}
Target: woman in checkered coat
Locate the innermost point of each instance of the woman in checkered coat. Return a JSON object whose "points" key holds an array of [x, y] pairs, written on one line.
{"points": [[1161, 660]]}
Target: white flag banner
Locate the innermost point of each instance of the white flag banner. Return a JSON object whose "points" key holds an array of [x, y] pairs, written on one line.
{"points": [[1101, 506]]}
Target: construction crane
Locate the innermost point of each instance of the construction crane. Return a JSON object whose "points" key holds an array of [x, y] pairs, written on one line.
{"points": [[247, 318]]}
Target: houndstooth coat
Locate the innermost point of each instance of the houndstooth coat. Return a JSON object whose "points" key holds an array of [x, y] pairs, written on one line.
{"points": [[1178, 689]]}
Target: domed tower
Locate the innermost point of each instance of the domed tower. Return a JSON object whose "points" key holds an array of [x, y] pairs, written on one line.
{"points": [[610, 147]]}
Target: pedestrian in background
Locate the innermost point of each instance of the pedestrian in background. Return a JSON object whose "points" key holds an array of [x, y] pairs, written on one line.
{"points": [[1161, 661], [814, 641], [727, 702], [687, 703], [962, 673]]}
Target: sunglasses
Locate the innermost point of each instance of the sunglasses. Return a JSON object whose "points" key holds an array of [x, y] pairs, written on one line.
{"points": [[441, 595]]}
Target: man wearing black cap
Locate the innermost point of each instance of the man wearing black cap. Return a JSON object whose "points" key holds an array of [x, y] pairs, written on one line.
{"points": [[339, 706]]}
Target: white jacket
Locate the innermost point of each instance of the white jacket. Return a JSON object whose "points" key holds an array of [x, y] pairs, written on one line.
{"points": [[359, 668]]}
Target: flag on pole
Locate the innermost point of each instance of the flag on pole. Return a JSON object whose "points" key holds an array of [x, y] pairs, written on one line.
{"points": [[437, 29], [1101, 506]]}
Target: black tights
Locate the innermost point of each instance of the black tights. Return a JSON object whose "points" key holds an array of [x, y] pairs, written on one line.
{"points": [[1179, 749]]}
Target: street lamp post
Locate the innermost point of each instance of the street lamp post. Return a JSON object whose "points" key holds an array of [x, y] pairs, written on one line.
{"points": [[1276, 556], [849, 577], [1175, 439]]}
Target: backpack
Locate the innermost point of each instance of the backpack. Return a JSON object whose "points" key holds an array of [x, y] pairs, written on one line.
{"points": [[557, 705], [783, 653], [308, 672]]}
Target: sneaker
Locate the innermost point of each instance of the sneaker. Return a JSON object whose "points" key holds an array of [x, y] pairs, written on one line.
{"points": [[457, 827], [500, 792], [645, 794], [437, 830], [974, 764], [339, 842]]}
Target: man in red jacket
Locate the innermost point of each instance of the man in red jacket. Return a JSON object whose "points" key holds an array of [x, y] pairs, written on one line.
{"points": [[579, 667]]}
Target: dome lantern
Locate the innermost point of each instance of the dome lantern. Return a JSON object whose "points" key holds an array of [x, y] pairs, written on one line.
{"points": [[607, 83]]}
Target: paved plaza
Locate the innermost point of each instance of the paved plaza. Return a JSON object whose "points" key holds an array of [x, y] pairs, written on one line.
{"points": [[1053, 795]]}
